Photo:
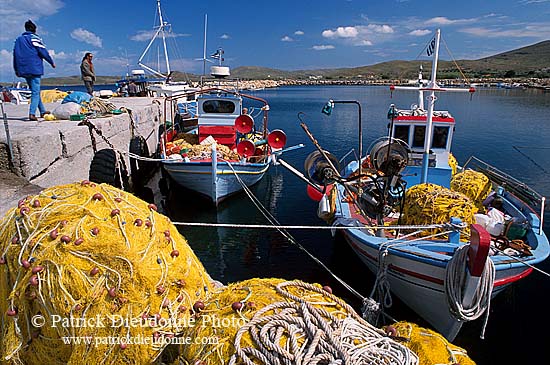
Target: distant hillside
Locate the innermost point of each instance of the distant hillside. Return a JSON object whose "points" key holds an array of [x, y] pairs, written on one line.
{"points": [[530, 61]]}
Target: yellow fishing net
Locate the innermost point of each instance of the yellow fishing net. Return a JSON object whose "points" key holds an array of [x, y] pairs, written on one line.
{"points": [[474, 185], [90, 274], [431, 347], [92, 264], [183, 145], [51, 96], [427, 204]]}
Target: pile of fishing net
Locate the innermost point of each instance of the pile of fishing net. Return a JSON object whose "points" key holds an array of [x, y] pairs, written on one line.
{"points": [[87, 270], [475, 185], [53, 95], [430, 346], [90, 274], [275, 322], [428, 204], [194, 150]]}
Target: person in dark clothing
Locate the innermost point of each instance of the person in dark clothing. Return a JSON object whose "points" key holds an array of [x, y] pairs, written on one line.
{"points": [[87, 72], [28, 54]]}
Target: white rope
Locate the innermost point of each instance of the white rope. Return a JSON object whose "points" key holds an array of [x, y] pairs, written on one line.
{"points": [[455, 277], [263, 226], [296, 332]]}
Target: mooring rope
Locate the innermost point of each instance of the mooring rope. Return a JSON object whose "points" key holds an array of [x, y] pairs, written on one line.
{"points": [[264, 226]]}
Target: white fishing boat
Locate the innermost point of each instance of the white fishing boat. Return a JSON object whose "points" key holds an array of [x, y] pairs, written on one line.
{"points": [[164, 86], [445, 239], [227, 151]]}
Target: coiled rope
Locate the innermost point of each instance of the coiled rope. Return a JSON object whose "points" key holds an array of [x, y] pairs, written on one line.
{"points": [[455, 276], [298, 332]]}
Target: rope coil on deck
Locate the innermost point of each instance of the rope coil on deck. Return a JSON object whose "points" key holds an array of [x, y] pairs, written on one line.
{"points": [[455, 276]]}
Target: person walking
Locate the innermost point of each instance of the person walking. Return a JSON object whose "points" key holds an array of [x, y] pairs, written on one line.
{"points": [[88, 73], [28, 54]]}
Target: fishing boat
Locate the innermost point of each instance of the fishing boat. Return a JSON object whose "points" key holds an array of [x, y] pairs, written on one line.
{"points": [[228, 150], [444, 238]]}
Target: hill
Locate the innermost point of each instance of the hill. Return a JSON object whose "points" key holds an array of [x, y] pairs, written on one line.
{"points": [[530, 61]]}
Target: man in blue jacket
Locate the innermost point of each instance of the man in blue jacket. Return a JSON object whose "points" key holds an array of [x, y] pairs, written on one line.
{"points": [[28, 53]]}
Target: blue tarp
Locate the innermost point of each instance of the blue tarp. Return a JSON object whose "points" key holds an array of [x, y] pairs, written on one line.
{"points": [[77, 97]]}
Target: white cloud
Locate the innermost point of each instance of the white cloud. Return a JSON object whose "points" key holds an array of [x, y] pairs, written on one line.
{"points": [[532, 30], [58, 55], [527, 2], [287, 39], [6, 69], [299, 32], [147, 35], [341, 32], [225, 36], [420, 32], [323, 47], [86, 36], [360, 35], [14, 14], [441, 20]]}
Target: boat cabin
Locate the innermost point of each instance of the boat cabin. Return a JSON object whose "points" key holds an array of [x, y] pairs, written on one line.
{"points": [[410, 127], [217, 113]]}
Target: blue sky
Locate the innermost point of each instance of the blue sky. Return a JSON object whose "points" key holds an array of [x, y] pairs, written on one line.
{"points": [[281, 34]]}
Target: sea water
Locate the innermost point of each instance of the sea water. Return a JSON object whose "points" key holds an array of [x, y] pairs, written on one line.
{"points": [[509, 129]]}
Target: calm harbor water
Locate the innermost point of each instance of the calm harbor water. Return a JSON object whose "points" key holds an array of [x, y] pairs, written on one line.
{"points": [[507, 128], [494, 124]]}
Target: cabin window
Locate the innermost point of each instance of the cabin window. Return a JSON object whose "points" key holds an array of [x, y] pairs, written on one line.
{"points": [[218, 106], [418, 137], [440, 137], [401, 132]]}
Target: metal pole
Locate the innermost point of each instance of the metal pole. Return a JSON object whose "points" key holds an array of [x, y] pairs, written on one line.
{"points": [[360, 130], [8, 138]]}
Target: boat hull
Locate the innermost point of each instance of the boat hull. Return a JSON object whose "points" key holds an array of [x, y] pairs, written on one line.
{"points": [[416, 271], [215, 181]]}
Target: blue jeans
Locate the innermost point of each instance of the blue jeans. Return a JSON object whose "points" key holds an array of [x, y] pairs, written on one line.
{"points": [[36, 101]]}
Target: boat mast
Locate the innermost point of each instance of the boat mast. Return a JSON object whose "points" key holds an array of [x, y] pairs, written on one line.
{"points": [[204, 48], [433, 48], [160, 30]]}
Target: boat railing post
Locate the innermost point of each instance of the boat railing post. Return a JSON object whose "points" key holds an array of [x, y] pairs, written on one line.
{"points": [[454, 236], [214, 170], [542, 204]]}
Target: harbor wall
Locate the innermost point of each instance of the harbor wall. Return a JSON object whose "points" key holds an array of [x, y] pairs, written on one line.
{"points": [[48, 153]]}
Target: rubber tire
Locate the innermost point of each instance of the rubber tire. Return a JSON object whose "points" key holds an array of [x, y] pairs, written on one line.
{"points": [[103, 169], [138, 168]]}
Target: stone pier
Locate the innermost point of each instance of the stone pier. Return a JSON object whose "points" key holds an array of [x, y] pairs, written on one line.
{"points": [[47, 153]]}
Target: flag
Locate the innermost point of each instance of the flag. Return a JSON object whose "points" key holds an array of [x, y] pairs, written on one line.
{"points": [[431, 47], [217, 55]]}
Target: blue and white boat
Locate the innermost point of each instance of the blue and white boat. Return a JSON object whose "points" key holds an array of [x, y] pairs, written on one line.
{"points": [[446, 271]]}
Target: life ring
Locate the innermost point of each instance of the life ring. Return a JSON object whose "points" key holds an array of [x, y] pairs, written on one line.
{"points": [[105, 168]]}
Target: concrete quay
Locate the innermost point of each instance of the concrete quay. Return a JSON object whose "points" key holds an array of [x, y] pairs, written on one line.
{"points": [[47, 153]]}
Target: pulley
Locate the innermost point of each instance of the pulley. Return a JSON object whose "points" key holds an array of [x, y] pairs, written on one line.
{"points": [[318, 169]]}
